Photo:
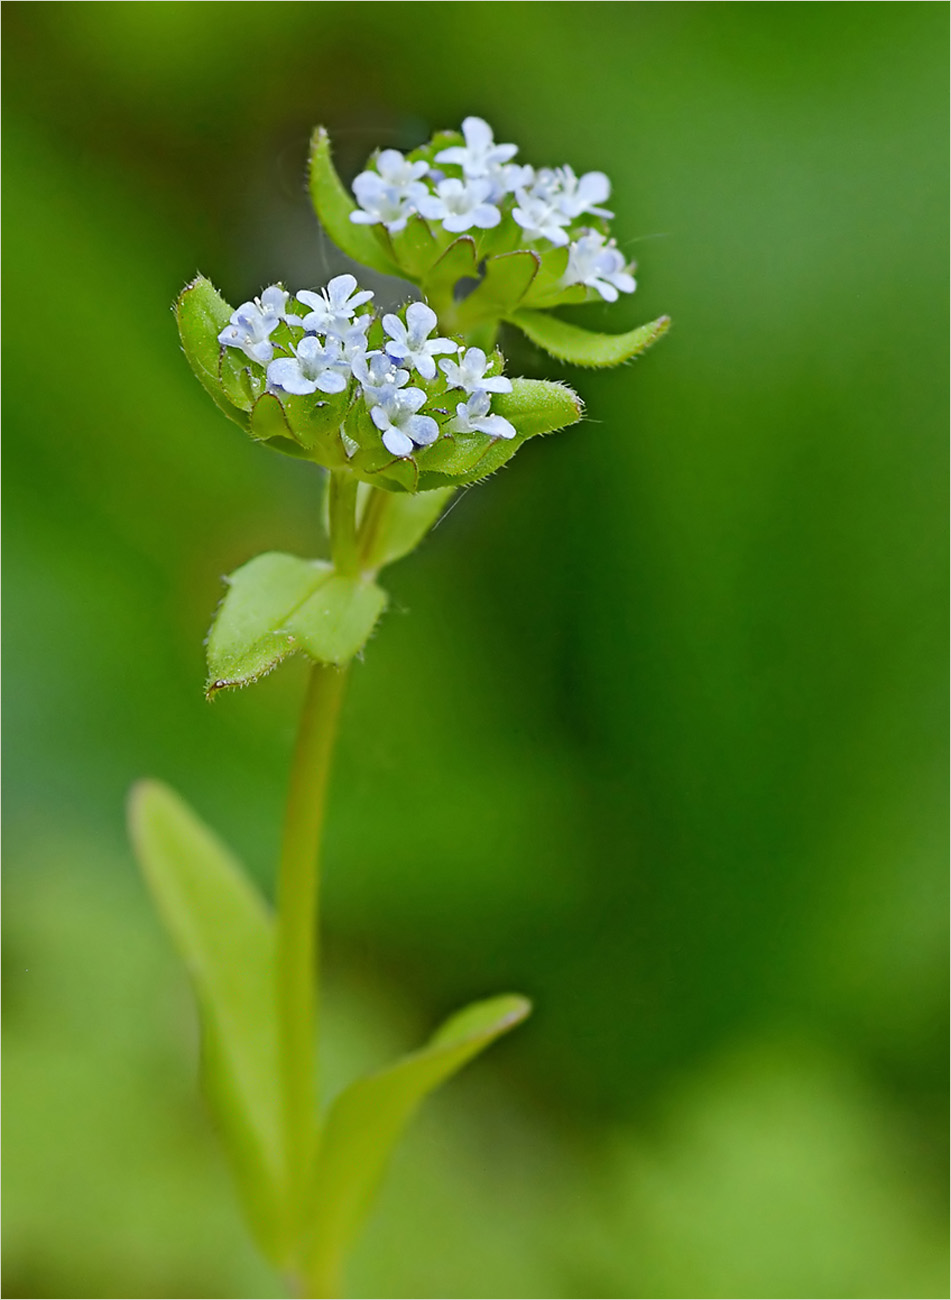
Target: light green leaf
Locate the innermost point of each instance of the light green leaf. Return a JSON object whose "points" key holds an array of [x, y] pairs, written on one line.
{"points": [[277, 605], [333, 206], [224, 933], [582, 347], [202, 314], [415, 248], [336, 622], [457, 261], [505, 282], [367, 1119], [398, 522]]}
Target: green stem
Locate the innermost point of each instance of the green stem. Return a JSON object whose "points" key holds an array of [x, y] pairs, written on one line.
{"points": [[343, 532], [374, 512], [297, 907]]}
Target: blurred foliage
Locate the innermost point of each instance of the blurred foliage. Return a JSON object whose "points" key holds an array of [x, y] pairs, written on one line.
{"points": [[684, 779]]}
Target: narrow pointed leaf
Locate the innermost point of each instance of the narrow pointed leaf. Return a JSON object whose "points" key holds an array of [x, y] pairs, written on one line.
{"points": [[202, 314], [582, 347], [277, 605], [367, 1119], [225, 935], [333, 206]]}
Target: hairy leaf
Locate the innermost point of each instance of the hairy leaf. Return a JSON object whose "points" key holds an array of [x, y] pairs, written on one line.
{"points": [[582, 347]]}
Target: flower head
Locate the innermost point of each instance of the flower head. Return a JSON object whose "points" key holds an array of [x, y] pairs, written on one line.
{"points": [[402, 429], [310, 367], [461, 205], [600, 265], [472, 416], [469, 374], [382, 203], [252, 324], [481, 156], [411, 344], [333, 308]]}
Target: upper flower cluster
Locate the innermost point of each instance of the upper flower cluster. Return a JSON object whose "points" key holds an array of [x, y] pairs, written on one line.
{"points": [[475, 185], [330, 350]]}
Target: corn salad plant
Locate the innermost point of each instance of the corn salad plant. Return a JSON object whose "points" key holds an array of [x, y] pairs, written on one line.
{"points": [[401, 409]]}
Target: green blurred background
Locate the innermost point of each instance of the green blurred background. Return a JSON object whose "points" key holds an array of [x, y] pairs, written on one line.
{"points": [[651, 732]]}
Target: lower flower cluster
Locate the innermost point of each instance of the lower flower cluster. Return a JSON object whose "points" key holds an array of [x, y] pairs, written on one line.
{"points": [[332, 342]]}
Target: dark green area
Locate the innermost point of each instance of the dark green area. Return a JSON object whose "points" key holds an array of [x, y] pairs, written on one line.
{"points": [[652, 731]]}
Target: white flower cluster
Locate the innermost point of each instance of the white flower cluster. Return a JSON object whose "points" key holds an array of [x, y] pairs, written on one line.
{"points": [[547, 203], [333, 350]]}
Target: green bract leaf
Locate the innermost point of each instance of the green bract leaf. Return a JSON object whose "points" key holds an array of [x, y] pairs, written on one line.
{"points": [[278, 604], [398, 522], [333, 206], [367, 1119], [415, 248], [504, 284], [225, 935], [534, 406], [457, 261], [202, 314], [582, 347]]}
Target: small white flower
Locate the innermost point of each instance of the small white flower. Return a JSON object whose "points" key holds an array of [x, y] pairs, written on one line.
{"points": [[402, 429], [469, 374], [334, 307], [461, 206], [378, 376], [411, 344], [577, 195], [539, 216], [600, 265], [311, 367], [383, 203], [473, 416], [252, 324], [481, 155], [353, 343], [398, 171]]}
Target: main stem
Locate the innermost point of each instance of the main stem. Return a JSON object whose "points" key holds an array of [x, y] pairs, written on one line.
{"points": [[297, 943], [298, 888]]}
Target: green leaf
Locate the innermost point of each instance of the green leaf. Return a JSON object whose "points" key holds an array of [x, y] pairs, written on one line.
{"points": [[506, 281], [277, 605], [333, 206], [582, 347], [336, 622], [225, 935], [399, 522], [368, 1118], [415, 248], [457, 261], [202, 314]]}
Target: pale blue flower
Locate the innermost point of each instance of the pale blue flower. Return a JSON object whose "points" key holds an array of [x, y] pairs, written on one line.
{"points": [[252, 324], [378, 376], [460, 206], [599, 264], [481, 155], [402, 429], [577, 195], [411, 344], [334, 307], [398, 171], [469, 374], [311, 366], [384, 204], [538, 214], [473, 416]]}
